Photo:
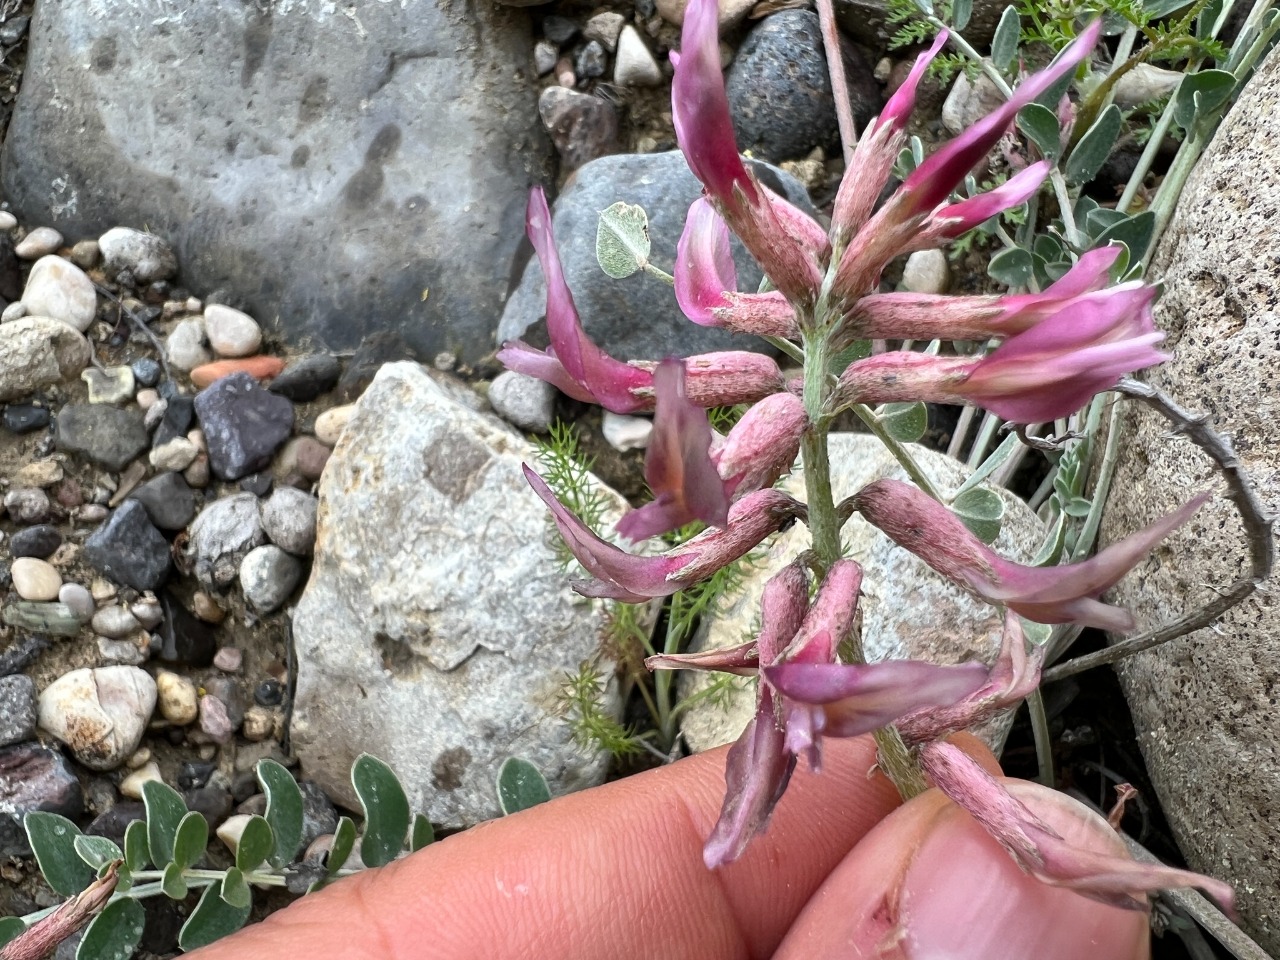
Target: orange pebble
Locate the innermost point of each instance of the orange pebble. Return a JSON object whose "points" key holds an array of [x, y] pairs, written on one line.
{"points": [[261, 367]]}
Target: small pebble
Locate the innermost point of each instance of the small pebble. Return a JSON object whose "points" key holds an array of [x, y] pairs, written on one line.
{"points": [[186, 345], [626, 433], [123, 651], [544, 57], [102, 590], [148, 612], [232, 829], [268, 576], [176, 698], [131, 785], [305, 379], [109, 385], [331, 423], [175, 455], [228, 659], [139, 758], [35, 579], [258, 724], [40, 541], [591, 61], [40, 242], [565, 76], [78, 599], [146, 371], [100, 714], [7, 220], [526, 402], [230, 332], [634, 65], [260, 368], [148, 400], [196, 436], [39, 473], [214, 721], [197, 475], [86, 254], [310, 457], [42, 617], [58, 289], [269, 693], [193, 776], [207, 609], [14, 311], [18, 711], [289, 519], [259, 484], [605, 27], [146, 257], [559, 30], [25, 417], [927, 271], [92, 513], [115, 622], [27, 505]]}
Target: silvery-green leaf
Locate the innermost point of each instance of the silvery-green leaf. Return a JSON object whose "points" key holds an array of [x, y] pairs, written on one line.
{"points": [[1092, 150], [191, 839], [10, 927], [212, 919], [622, 240], [422, 833], [1134, 232], [114, 933], [1077, 507], [1058, 269], [53, 841], [284, 810], [97, 851], [520, 786], [1037, 634], [905, 422], [124, 879], [165, 810], [1004, 45], [990, 465], [1207, 18], [917, 151], [1162, 8], [981, 510], [344, 840], [257, 842], [173, 883], [234, 891], [1049, 247], [137, 854], [1084, 206], [858, 350], [1011, 266], [1199, 94], [961, 11], [1040, 124], [1050, 551], [1040, 270], [386, 810]]}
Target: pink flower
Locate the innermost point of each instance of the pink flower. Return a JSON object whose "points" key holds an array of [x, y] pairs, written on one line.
{"points": [[1047, 371], [677, 465], [619, 575], [1064, 594], [573, 363], [1040, 850], [924, 316], [706, 282], [788, 245]]}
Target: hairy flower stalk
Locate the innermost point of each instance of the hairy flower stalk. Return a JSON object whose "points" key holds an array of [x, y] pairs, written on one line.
{"points": [[41, 938]]}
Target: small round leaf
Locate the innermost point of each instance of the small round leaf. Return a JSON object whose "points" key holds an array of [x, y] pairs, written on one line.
{"points": [[1012, 267], [386, 810], [173, 883], [344, 840], [137, 854], [622, 240], [257, 842], [165, 810], [235, 891], [114, 933], [905, 422], [191, 839], [981, 510], [284, 810], [212, 919], [97, 851], [521, 786], [52, 839]]}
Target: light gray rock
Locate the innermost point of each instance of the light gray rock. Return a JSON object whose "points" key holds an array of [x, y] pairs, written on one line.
{"points": [[663, 185], [604, 28], [731, 12], [1204, 706], [17, 709], [231, 332], [109, 384], [525, 401], [221, 535], [99, 713], [284, 116], [634, 65], [146, 256], [968, 101], [435, 590], [626, 433], [268, 576], [289, 519], [59, 289], [114, 622], [36, 352], [186, 345], [926, 271], [908, 611], [40, 242]]}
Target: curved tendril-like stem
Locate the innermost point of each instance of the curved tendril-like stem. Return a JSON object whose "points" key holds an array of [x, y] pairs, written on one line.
{"points": [[1257, 523]]}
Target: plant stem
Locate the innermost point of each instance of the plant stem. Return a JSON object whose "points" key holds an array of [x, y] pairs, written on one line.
{"points": [[839, 86], [1043, 738], [898, 449], [824, 525], [658, 272]]}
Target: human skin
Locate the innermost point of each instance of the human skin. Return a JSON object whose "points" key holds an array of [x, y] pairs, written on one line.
{"points": [[612, 872]]}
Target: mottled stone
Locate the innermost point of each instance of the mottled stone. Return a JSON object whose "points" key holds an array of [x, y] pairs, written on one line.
{"points": [[1204, 706], [108, 436], [305, 379], [36, 352], [221, 535], [38, 541], [17, 709], [243, 425], [289, 519], [147, 257], [459, 622], [129, 549], [58, 289], [33, 778], [526, 402], [100, 714], [268, 576], [170, 503]]}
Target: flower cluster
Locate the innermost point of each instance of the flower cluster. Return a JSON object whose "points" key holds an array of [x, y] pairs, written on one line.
{"points": [[1056, 349]]}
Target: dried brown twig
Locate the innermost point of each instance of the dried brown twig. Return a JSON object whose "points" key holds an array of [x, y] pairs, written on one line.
{"points": [[42, 937], [1257, 523]]}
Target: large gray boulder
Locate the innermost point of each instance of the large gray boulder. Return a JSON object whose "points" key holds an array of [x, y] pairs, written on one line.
{"points": [[1205, 706], [908, 611], [438, 625], [322, 165], [636, 318]]}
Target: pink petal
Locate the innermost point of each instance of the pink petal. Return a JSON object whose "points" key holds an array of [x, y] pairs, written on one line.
{"points": [[932, 182], [859, 698], [704, 268], [758, 314], [958, 218], [783, 606], [763, 445], [898, 110], [618, 574], [756, 774], [519, 356], [742, 660], [678, 466], [731, 377], [751, 519], [700, 109], [922, 316]]}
